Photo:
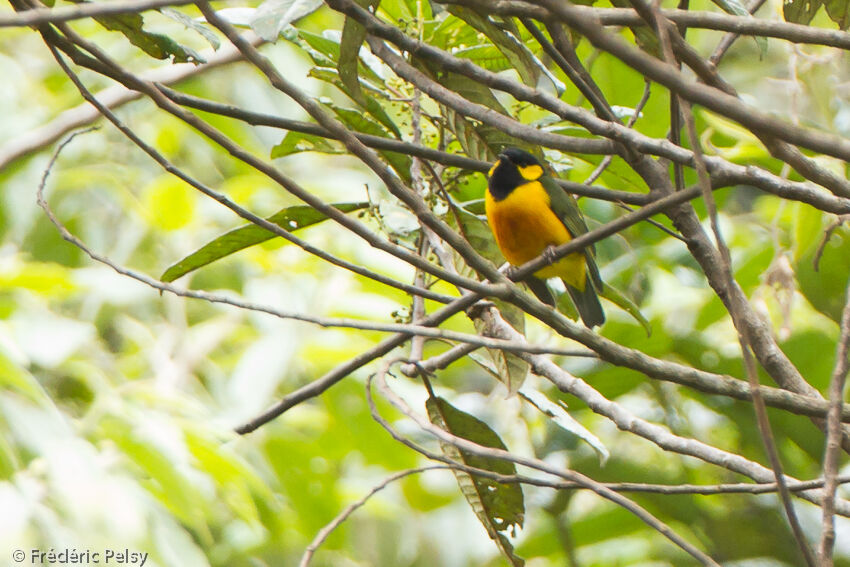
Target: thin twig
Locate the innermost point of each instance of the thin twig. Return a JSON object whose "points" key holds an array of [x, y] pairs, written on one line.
{"points": [[833, 436], [328, 529]]}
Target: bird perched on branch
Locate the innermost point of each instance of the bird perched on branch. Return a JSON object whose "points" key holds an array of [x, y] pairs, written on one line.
{"points": [[529, 213]]}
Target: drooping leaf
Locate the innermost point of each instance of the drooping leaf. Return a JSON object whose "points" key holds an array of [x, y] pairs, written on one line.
{"points": [[618, 298], [824, 287], [352, 38], [359, 122], [372, 106], [290, 218], [499, 507]]}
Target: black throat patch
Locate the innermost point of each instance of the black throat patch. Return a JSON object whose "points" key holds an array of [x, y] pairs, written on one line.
{"points": [[505, 178]]}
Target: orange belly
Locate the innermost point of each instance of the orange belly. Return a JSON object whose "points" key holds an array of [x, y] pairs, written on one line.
{"points": [[524, 226]]}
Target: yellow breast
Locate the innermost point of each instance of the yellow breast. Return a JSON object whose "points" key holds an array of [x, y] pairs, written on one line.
{"points": [[524, 225]]}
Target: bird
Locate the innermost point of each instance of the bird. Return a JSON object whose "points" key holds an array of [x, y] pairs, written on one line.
{"points": [[529, 214]]}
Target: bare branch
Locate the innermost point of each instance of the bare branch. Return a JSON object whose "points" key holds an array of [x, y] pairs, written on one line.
{"points": [[833, 436], [326, 531], [37, 16]]}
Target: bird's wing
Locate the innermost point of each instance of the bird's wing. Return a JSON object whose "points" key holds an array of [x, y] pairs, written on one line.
{"points": [[565, 206]]}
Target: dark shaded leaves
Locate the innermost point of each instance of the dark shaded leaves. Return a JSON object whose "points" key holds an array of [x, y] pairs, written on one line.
{"points": [[499, 507]]}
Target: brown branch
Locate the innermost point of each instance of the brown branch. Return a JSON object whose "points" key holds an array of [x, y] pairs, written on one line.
{"points": [[656, 434], [112, 97], [37, 16], [380, 143], [834, 435], [712, 98]]}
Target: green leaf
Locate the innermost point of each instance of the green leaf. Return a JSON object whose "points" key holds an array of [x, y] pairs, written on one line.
{"points": [[192, 24], [356, 120], [499, 507], [800, 11], [372, 106], [839, 12], [295, 142], [352, 38], [154, 44], [504, 37], [451, 33], [618, 298], [290, 218], [825, 288], [274, 15]]}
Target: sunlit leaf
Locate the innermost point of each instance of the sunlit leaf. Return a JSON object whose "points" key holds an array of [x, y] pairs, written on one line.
{"points": [[295, 142], [274, 15], [154, 44], [290, 218], [192, 24]]}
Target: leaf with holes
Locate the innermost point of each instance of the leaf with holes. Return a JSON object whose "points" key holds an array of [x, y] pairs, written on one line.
{"points": [[290, 218], [499, 507]]}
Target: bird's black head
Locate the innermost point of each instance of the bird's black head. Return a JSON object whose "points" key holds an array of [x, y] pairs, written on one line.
{"points": [[514, 167], [518, 157]]}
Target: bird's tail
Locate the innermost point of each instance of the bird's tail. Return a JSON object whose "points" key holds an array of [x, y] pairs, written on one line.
{"points": [[540, 290], [587, 304]]}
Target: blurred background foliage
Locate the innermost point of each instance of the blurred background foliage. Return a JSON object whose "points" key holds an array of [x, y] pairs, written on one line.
{"points": [[118, 404]]}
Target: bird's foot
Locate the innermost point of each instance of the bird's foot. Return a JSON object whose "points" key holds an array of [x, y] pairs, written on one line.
{"points": [[509, 270], [549, 254]]}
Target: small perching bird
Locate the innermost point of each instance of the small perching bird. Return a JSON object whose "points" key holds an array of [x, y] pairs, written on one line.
{"points": [[529, 213]]}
